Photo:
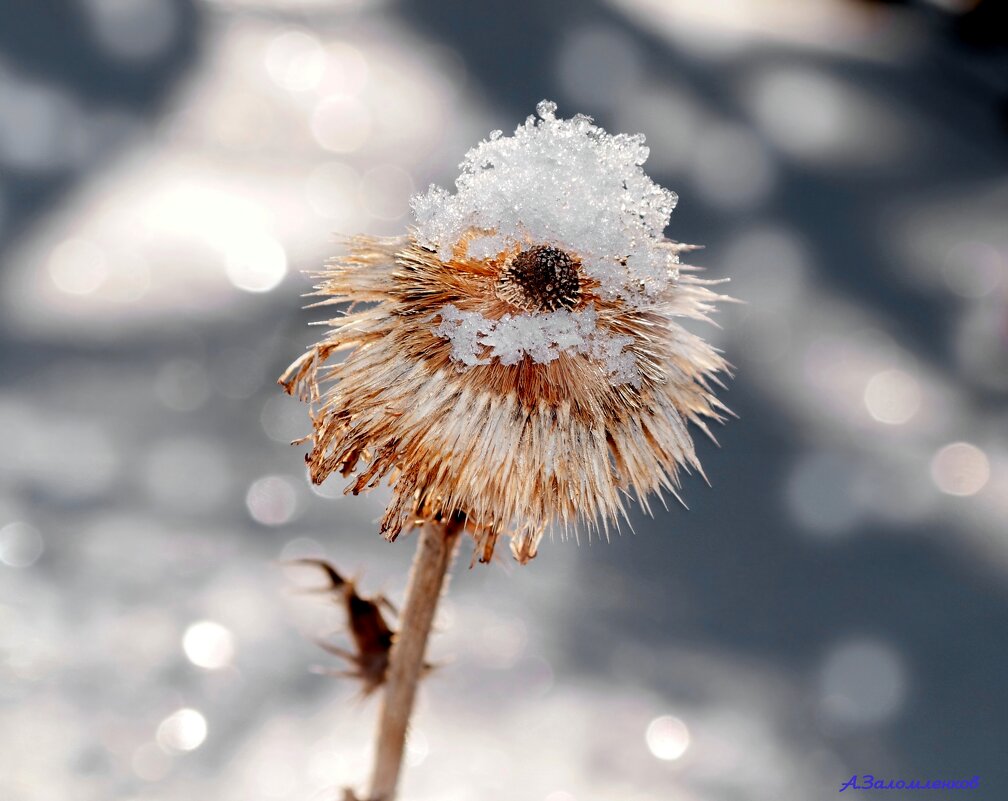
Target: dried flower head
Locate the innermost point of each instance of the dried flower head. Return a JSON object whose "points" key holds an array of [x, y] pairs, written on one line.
{"points": [[520, 361]]}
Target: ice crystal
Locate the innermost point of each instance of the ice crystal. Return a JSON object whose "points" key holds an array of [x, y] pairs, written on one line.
{"points": [[476, 339], [565, 183]]}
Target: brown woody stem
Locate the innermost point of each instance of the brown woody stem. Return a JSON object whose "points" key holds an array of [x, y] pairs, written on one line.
{"points": [[433, 558]]}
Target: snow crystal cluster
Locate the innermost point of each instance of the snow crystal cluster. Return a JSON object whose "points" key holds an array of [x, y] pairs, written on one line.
{"points": [[571, 185], [476, 339], [565, 183]]}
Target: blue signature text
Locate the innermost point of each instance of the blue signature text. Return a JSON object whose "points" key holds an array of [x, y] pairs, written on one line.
{"points": [[869, 782]]}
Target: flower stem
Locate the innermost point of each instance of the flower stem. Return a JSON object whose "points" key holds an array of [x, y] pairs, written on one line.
{"points": [[433, 558]]}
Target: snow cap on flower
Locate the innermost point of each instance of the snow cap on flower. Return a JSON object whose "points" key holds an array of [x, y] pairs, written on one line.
{"points": [[521, 362], [567, 183]]}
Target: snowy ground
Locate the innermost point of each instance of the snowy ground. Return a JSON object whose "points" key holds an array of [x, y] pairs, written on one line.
{"points": [[835, 604]]}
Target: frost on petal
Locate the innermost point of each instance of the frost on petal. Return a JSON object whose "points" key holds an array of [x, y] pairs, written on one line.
{"points": [[476, 339], [463, 330], [563, 182]]}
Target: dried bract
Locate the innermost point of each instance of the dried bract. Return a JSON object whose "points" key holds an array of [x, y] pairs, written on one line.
{"points": [[371, 634]]}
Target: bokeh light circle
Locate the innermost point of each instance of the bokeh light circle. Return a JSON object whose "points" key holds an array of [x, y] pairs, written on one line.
{"points": [[184, 730], [208, 645], [960, 468], [667, 738]]}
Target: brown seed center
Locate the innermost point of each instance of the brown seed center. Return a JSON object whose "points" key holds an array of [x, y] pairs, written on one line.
{"points": [[540, 279]]}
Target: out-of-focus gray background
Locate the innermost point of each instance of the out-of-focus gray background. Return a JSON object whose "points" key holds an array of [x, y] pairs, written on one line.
{"points": [[835, 604]]}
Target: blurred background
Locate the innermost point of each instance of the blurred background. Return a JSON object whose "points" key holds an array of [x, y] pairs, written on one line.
{"points": [[835, 604]]}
